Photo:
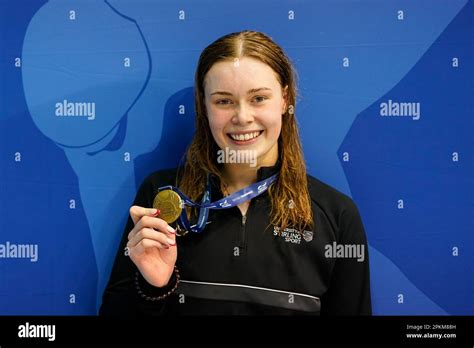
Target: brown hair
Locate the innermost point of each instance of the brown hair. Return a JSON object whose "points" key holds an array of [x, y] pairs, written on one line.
{"points": [[290, 200]]}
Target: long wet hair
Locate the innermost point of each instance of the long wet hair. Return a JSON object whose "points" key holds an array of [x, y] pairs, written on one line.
{"points": [[290, 200]]}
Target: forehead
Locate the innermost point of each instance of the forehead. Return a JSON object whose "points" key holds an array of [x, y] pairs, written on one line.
{"points": [[240, 73]]}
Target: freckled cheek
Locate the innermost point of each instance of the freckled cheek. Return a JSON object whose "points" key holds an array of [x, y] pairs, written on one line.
{"points": [[218, 122], [272, 123]]}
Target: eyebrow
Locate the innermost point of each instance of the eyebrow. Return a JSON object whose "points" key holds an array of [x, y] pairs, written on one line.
{"points": [[250, 91]]}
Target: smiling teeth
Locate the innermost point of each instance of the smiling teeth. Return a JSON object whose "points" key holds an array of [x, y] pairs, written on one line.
{"points": [[243, 137]]}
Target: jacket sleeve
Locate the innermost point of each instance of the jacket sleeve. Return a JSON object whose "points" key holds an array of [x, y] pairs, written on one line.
{"points": [[349, 288], [121, 298]]}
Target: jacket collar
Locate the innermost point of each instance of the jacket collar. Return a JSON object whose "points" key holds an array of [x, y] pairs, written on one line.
{"points": [[262, 174]]}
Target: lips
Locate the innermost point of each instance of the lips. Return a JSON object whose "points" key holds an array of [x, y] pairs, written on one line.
{"points": [[245, 136]]}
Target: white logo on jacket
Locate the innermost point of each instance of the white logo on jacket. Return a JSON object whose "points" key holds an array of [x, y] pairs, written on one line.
{"points": [[292, 235]]}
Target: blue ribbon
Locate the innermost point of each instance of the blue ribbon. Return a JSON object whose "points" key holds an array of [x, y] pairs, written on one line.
{"points": [[233, 200]]}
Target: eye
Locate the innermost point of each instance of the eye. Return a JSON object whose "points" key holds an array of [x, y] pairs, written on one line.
{"points": [[260, 98], [223, 101]]}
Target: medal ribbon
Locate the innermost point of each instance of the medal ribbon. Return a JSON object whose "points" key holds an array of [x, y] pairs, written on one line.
{"points": [[239, 197]]}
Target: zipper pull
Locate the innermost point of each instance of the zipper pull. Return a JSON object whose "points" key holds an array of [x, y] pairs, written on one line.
{"points": [[244, 219]]}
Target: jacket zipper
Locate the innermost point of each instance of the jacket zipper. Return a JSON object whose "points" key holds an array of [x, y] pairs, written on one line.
{"points": [[244, 219], [242, 234], [243, 229]]}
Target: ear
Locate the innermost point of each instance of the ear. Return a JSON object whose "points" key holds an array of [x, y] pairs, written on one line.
{"points": [[285, 99]]}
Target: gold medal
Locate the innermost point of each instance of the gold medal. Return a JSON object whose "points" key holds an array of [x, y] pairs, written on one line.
{"points": [[170, 205]]}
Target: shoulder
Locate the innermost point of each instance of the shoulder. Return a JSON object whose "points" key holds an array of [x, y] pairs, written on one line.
{"points": [[148, 187], [328, 197], [162, 177], [338, 208]]}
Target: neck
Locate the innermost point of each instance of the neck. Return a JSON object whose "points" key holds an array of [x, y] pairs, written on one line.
{"points": [[240, 175]]}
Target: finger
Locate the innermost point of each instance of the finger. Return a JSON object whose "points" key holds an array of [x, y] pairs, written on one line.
{"points": [[152, 222], [171, 237], [148, 233], [145, 244], [137, 212], [134, 230]]}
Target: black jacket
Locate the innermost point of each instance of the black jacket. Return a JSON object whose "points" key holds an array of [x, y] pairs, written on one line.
{"points": [[242, 267]]}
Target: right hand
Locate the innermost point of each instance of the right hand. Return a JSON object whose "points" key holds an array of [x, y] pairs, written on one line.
{"points": [[150, 248]]}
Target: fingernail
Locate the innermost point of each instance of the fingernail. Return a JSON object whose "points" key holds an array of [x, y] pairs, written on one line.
{"points": [[170, 241], [157, 212], [170, 229]]}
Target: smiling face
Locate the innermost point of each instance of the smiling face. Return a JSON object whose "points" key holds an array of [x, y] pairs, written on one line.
{"points": [[245, 103]]}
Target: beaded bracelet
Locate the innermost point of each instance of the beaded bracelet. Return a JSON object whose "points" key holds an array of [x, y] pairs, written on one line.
{"points": [[149, 298]]}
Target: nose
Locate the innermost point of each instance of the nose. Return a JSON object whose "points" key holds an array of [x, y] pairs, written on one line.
{"points": [[243, 115]]}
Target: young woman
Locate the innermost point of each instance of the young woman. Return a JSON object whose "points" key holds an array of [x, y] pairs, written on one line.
{"points": [[285, 251]]}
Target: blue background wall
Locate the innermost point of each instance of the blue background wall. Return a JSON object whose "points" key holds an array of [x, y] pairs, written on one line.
{"points": [[66, 183]]}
